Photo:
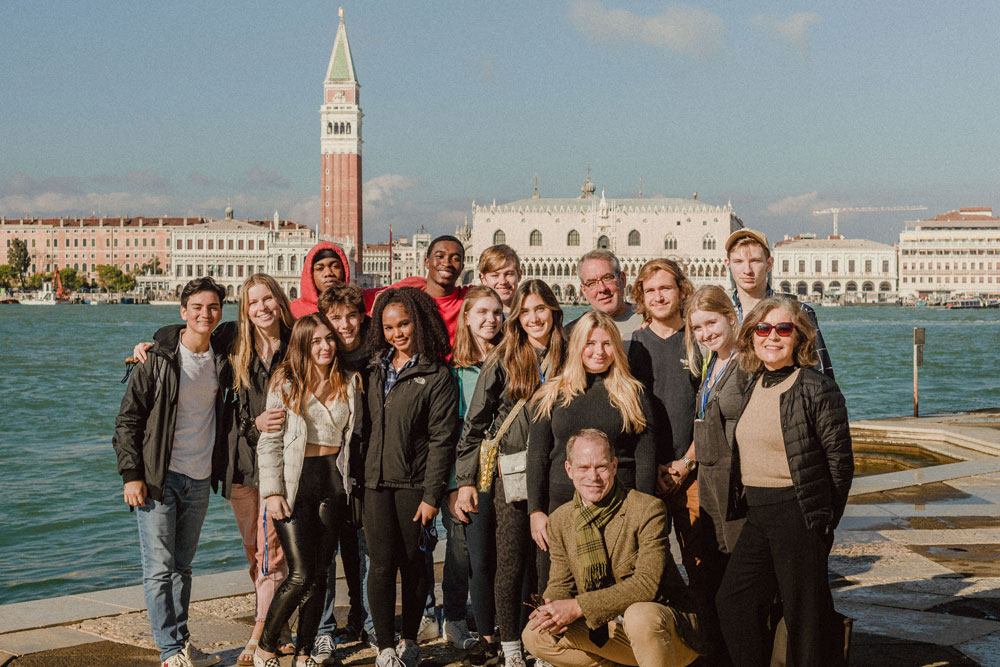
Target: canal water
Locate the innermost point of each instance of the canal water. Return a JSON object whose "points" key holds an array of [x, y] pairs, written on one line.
{"points": [[64, 528]]}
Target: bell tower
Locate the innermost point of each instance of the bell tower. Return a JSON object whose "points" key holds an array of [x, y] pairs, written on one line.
{"points": [[340, 145]]}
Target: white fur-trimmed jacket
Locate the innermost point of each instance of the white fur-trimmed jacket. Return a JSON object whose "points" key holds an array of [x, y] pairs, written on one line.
{"points": [[280, 454]]}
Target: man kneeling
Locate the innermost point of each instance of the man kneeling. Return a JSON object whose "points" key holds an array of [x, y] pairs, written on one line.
{"points": [[614, 593]]}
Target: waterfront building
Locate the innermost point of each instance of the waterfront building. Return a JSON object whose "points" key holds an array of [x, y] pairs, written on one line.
{"points": [[957, 252], [82, 244], [807, 265], [229, 250], [340, 145], [550, 235]]}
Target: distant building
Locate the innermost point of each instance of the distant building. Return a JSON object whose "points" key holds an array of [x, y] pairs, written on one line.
{"points": [[83, 243], [550, 235], [407, 258], [230, 250], [340, 145], [807, 265], [954, 253]]}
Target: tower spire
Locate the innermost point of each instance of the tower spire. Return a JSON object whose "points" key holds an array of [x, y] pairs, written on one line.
{"points": [[341, 67]]}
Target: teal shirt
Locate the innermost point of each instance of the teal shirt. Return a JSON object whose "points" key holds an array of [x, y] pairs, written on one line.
{"points": [[467, 378]]}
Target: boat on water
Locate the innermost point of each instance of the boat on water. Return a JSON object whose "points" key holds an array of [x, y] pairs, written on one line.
{"points": [[962, 304], [164, 302], [48, 296]]}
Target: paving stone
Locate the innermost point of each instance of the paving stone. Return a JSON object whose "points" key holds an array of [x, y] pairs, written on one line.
{"points": [[918, 626], [934, 492], [891, 652], [208, 632], [970, 536], [5, 658], [105, 654], [53, 611], [890, 595], [955, 586], [43, 639], [984, 650]]}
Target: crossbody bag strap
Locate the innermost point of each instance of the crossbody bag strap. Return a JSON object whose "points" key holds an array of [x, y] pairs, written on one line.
{"points": [[512, 415]]}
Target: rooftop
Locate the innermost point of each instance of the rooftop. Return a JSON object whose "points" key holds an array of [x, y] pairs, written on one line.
{"points": [[971, 216], [832, 242]]}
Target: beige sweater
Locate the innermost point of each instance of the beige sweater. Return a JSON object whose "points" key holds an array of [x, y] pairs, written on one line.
{"points": [[763, 462]]}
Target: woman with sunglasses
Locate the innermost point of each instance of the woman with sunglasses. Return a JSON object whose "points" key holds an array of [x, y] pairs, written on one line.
{"points": [[305, 478], [531, 351], [795, 467], [409, 434]]}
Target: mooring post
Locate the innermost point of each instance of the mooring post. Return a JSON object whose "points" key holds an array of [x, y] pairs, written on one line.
{"points": [[919, 336]]}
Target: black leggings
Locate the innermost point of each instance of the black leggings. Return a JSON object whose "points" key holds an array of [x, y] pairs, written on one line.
{"points": [[309, 541], [515, 573], [392, 537]]}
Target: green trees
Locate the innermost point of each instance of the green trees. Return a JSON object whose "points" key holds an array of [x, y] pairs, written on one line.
{"points": [[18, 258], [112, 279], [70, 279], [7, 275]]}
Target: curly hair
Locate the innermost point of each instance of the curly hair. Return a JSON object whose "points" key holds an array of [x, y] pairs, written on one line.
{"points": [[430, 334], [805, 333]]}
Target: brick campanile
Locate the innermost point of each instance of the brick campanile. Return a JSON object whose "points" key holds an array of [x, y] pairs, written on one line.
{"points": [[340, 194]]}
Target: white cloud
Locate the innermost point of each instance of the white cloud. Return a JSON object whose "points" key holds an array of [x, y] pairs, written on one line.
{"points": [[107, 203], [793, 30], [381, 189], [686, 30], [805, 203], [305, 211]]}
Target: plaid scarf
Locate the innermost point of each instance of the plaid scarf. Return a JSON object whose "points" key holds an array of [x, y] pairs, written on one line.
{"points": [[590, 521]]}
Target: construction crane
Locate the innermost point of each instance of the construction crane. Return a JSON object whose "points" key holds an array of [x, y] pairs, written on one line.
{"points": [[864, 209]]}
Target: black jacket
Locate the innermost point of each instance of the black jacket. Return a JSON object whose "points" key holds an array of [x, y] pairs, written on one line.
{"points": [[488, 409], [144, 428], [818, 444], [410, 435]]}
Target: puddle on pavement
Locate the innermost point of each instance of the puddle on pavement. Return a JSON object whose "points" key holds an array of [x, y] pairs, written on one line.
{"points": [[879, 458], [918, 496], [970, 560]]}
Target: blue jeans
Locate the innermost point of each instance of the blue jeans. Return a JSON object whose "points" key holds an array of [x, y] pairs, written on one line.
{"points": [[168, 538], [353, 555]]}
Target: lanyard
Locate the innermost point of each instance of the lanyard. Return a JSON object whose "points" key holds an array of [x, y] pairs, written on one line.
{"points": [[706, 390]]}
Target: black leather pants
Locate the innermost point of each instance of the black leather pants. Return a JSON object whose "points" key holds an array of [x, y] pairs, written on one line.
{"points": [[309, 540]]}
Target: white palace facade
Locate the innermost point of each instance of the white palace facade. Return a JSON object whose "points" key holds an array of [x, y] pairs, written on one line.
{"points": [[550, 234]]}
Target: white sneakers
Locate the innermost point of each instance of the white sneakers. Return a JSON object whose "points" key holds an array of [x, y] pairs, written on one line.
{"points": [[457, 634], [429, 630], [387, 658], [191, 656], [408, 652]]}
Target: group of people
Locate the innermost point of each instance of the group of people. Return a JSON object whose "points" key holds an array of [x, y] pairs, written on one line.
{"points": [[559, 454]]}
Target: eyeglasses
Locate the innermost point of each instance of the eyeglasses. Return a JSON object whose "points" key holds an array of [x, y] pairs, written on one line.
{"points": [[784, 329], [603, 281]]}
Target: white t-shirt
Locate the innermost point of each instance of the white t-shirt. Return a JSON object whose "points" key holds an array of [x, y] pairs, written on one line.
{"points": [[194, 431]]}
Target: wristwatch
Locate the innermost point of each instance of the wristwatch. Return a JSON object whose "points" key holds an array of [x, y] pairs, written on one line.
{"points": [[689, 463]]}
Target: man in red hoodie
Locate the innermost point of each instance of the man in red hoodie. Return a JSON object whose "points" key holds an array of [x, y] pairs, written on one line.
{"points": [[325, 266]]}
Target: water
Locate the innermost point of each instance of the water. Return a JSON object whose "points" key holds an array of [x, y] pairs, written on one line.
{"points": [[64, 528]]}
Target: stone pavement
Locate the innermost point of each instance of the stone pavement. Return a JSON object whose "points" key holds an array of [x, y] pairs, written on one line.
{"points": [[915, 563]]}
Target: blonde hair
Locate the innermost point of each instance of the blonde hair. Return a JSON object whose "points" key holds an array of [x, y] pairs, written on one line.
{"points": [[494, 257], [711, 299], [646, 272], [804, 353], [468, 349], [623, 389], [245, 347]]}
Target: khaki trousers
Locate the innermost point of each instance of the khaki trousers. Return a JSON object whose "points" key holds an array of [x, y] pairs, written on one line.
{"points": [[647, 638]]}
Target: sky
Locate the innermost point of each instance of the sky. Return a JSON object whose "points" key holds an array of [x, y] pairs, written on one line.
{"points": [[782, 108]]}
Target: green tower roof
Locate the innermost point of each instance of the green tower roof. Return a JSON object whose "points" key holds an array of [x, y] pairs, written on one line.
{"points": [[341, 66]]}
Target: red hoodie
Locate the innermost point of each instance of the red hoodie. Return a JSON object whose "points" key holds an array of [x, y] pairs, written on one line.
{"points": [[306, 304]]}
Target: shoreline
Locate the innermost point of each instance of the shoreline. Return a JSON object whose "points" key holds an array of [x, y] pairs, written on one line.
{"points": [[896, 568]]}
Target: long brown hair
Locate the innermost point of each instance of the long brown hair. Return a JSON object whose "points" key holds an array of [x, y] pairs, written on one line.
{"points": [[515, 352], [468, 350], [623, 389], [245, 347], [711, 299], [297, 374], [805, 333]]}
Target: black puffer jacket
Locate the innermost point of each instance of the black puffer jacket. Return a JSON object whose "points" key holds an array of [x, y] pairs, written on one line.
{"points": [[144, 428], [818, 445], [409, 436]]}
